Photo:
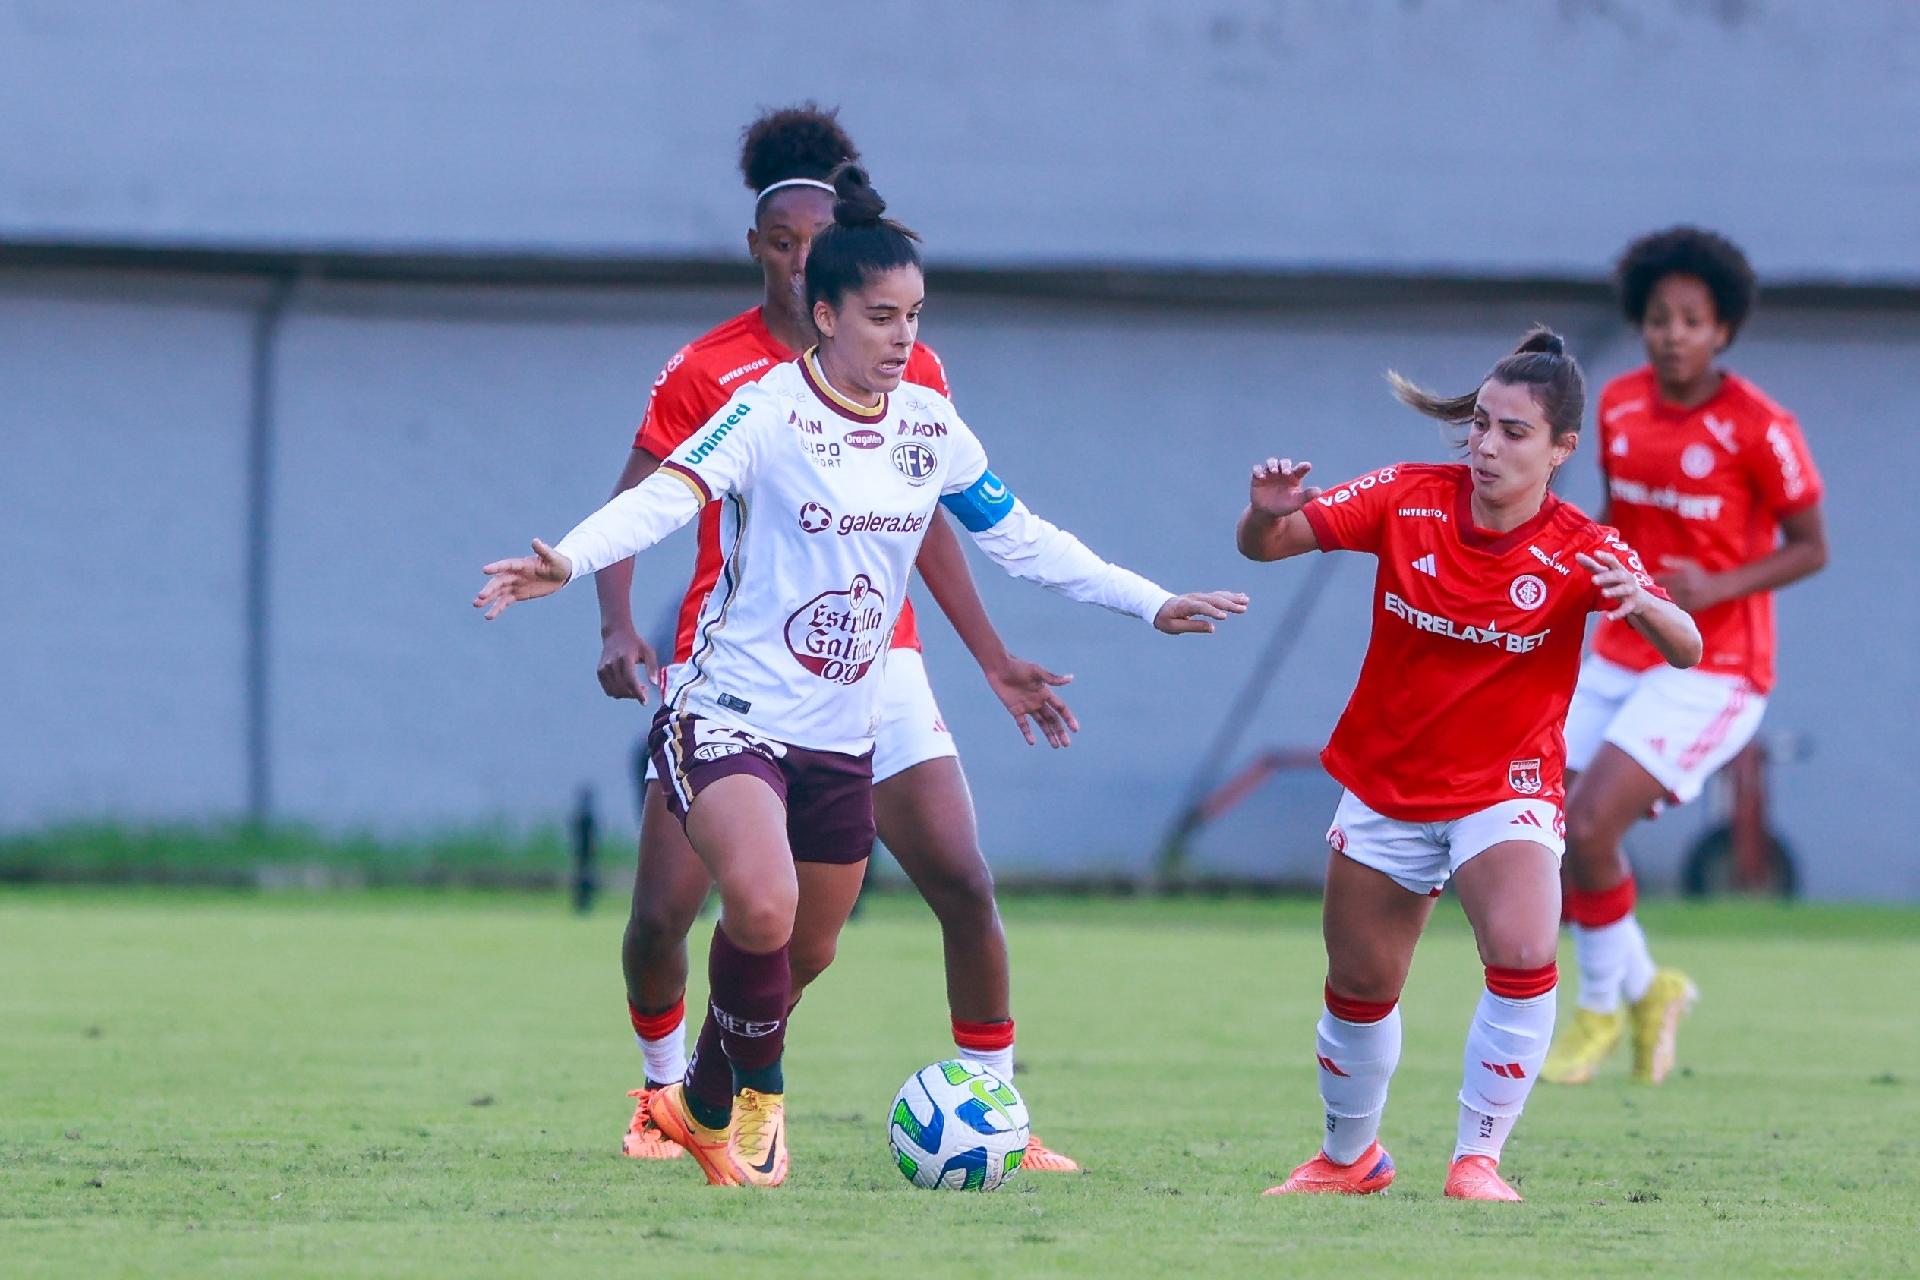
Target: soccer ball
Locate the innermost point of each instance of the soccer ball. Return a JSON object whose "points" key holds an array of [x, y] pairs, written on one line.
{"points": [[956, 1126]]}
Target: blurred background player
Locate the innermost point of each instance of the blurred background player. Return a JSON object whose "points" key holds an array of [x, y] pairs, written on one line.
{"points": [[1450, 748], [922, 805], [1714, 485]]}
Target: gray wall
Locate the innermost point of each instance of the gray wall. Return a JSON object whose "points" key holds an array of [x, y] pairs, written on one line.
{"points": [[1451, 136], [423, 430]]}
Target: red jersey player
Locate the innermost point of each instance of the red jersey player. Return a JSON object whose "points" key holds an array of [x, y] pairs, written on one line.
{"points": [[1450, 748], [1713, 483]]}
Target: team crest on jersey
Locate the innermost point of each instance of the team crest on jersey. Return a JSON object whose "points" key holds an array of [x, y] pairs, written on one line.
{"points": [[915, 461], [1527, 592], [1697, 461], [864, 438], [815, 518], [1524, 777], [838, 634], [1336, 839]]}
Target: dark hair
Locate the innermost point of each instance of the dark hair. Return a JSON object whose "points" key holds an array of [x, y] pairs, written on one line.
{"points": [[862, 242], [1687, 251], [793, 142], [1540, 363]]}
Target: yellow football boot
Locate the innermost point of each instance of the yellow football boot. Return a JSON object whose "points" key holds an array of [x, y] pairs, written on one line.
{"points": [[1579, 1050], [1656, 1024]]}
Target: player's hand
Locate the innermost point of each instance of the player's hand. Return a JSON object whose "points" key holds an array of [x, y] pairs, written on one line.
{"points": [[1691, 586], [523, 578], [623, 655], [1027, 689], [1198, 611], [1616, 582], [1277, 489]]}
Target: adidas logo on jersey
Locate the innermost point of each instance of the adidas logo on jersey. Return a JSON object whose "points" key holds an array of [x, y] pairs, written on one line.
{"points": [[1425, 564], [1528, 819]]}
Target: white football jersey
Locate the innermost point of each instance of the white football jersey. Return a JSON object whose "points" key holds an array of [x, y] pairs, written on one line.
{"points": [[825, 507]]}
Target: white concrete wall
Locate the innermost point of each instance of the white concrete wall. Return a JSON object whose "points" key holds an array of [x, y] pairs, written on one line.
{"points": [[1457, 136], [422, 431]]}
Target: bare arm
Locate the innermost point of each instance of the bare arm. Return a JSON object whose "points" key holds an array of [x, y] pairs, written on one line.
{"points": [[1024, 688], [1801, 554], [1271, 527], [622, 650], [1668, 627]]}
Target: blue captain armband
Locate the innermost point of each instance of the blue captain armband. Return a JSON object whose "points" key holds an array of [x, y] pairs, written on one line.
{"points": [[982, 504]]}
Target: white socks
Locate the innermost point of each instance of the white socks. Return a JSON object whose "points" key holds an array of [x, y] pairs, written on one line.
{"points": [[666, 1056], [1505, 1046], [998, 1061], [1614, 963], [1357, 1060]]}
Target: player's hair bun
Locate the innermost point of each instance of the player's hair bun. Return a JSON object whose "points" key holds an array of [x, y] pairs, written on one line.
{"points": [[1542, 340], [858, 205]]}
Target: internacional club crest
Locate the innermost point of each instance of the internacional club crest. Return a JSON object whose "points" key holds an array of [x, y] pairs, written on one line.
{"points": [[1527, 592]]}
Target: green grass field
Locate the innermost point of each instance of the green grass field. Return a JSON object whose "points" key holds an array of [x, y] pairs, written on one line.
{"points": [[195, 1084]]}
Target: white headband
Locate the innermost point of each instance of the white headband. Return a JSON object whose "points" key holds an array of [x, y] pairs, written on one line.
{"points": [[794, 182]]}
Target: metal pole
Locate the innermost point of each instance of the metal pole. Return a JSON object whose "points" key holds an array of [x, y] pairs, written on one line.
{"points": [[267, 323]]}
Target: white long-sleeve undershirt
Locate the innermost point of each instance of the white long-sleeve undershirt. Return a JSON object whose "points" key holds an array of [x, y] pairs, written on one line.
{"points": [[1029, 547], [630, 523]]}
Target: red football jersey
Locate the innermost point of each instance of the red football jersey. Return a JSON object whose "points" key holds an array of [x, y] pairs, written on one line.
{"points": [[695, 383], [1708, 484], [1475, 646]]}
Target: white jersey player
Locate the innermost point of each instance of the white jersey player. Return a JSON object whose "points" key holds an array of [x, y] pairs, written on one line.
{"points": [[831, 470]]}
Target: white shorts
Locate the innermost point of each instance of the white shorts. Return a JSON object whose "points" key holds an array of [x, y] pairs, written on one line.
{"points": [[1420, 856], [911, 729], [1680, 726]]}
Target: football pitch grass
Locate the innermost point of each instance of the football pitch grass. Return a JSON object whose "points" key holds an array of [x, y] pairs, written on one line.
{"points": [[409, 1084]]}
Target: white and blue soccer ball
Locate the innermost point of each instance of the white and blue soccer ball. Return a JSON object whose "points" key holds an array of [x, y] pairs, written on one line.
{"points": [[956, 1126]]}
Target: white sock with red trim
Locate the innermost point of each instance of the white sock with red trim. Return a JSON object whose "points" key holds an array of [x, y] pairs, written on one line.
{"points": [[1505, 1046], [1358, 1045], [988, 1043], [1605, 943], [663, 1042], [1637, 972]]}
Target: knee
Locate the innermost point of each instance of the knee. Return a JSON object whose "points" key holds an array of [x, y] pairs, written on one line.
{"points": [[657, 925], [1519, 949], [1589, 830], [960, 891], [759, 920]]}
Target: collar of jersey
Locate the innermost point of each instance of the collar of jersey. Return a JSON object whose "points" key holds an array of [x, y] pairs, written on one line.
{"points": [[1486, 540], [810, 370]]}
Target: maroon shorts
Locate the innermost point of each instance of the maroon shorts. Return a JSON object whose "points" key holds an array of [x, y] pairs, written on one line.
{"points": [[828, 796]]}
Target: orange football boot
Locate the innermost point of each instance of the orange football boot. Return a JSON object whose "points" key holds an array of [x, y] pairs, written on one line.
{"points": [[1478, 1178], [1371, 1174], [644, 1141], [708, 1147], [1044, 1159]]}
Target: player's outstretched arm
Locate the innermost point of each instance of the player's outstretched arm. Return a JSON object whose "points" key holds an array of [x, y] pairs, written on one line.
{"points": [[1025, 689], [1272, 528], [630, 523], [522, 578], [1667, 626]]}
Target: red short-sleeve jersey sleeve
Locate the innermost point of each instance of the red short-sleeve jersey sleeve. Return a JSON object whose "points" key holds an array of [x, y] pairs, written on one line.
{"points": [[1782, 467], [681, 402], [926, 369], [1350, 516]]}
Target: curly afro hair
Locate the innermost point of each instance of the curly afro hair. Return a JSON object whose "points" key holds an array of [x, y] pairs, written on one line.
{"points": [[793, 142], [1687, 251]]}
